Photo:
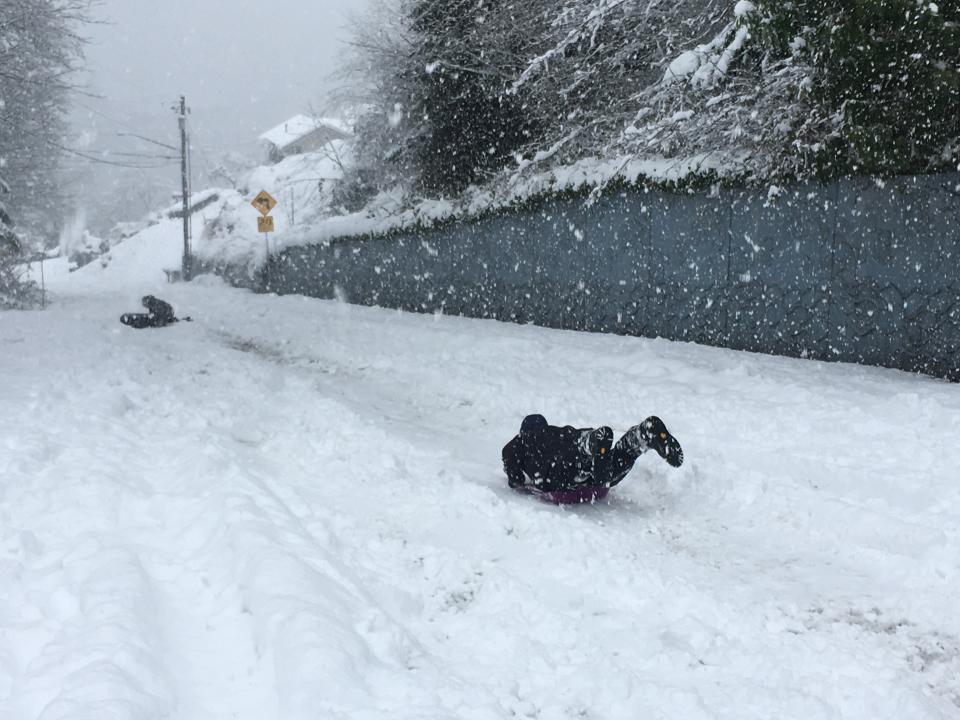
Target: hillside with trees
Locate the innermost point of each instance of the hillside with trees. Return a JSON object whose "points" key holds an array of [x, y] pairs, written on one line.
{"points": [[460, 94]]}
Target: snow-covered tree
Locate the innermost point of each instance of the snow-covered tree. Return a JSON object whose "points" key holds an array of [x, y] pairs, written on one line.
{"points": [[597, 56], [777, 88], [39, 51], [470, 122], [476, 91], [377, 73], [435, 81]]}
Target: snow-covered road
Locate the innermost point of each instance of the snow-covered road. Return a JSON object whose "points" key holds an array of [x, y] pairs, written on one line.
{"points": [[292, 508]]}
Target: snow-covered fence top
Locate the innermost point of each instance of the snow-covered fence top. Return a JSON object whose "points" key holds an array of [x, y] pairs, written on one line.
{"points": [[860, 270]]}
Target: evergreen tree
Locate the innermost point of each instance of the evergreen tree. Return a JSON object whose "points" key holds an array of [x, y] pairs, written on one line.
{"points": [[469, 122], [887, 71]]}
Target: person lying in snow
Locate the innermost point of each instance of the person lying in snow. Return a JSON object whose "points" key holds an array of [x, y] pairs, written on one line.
{"points": [[567, 464], [159, 314]]}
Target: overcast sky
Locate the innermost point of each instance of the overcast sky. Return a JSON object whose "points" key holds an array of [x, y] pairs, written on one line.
{"points": [[244, 65]]}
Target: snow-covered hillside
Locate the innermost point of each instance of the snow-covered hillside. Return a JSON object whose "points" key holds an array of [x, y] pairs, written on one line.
{"points": [[303, 187], [292, 508], [224, 227]]}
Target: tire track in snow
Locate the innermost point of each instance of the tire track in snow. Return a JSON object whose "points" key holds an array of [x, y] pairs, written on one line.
{"points": [[305, 601], [279, 643]]}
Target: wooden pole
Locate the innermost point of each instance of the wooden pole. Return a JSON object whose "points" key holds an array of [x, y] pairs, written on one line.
{"points": [[266, 242], [185, 186]]}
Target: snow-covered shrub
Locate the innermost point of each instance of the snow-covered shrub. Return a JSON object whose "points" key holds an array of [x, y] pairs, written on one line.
{"points": [[16, 291], [87, 249]]}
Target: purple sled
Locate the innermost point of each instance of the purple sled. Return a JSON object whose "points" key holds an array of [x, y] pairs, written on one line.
{"points": [[572, 496]]}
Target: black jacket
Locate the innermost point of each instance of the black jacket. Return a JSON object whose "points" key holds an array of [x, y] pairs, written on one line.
{"points": [[559, 458], [161, 313]]}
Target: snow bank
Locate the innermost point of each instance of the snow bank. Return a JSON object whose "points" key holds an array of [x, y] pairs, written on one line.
{"points": [[302, 185]]}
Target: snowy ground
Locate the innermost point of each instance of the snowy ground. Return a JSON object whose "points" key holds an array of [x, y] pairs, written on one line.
{"points": [[294, 509]]}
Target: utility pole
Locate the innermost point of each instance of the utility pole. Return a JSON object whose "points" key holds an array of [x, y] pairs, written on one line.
{"points": [[187, 270], [43, 280]]}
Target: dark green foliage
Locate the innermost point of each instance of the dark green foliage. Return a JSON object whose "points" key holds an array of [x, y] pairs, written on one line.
{"points": [[888, 71], [15, 290], [469, 124]]}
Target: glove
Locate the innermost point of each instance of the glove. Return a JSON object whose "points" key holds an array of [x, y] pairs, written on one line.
{"points": [[596, 443]]}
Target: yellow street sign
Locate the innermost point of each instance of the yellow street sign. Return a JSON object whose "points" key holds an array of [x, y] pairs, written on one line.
{"points": [[265, 224], [264, 202]]}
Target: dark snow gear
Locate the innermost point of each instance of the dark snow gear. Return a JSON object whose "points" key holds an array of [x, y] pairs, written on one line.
{"points": [[159, 314], [565, 458]]}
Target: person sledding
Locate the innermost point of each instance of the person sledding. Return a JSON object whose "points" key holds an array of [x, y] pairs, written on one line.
{"points": [[159, 314], [575, 465]]}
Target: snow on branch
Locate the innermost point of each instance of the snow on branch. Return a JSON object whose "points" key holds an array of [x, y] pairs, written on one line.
{"points": [[593, 18], [708, 64]]}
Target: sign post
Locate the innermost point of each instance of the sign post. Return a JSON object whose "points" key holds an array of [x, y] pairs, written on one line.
{"points": [[264, 202]]}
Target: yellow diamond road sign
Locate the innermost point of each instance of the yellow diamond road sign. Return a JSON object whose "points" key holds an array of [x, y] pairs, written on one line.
{"points": [[264, 202]]}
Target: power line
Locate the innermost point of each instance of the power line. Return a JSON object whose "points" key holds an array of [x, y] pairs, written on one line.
{"points": [[140, 155], [150, 140], [101, 161], [88, 157]]}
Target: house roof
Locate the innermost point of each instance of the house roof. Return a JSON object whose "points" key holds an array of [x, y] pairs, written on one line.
{"points": [[298, 127]]}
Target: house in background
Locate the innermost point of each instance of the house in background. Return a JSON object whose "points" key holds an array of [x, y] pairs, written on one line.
{"points": [[302, 134]]}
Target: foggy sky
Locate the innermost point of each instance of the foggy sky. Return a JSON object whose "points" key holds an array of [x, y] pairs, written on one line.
{"points": [[244, 65]]}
